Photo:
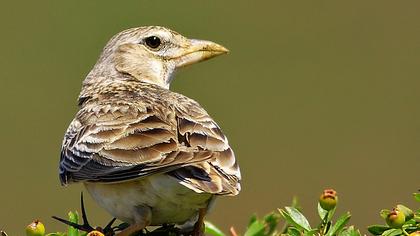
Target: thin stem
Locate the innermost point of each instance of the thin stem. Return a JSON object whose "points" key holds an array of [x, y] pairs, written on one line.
{"points": [[233, 231]]}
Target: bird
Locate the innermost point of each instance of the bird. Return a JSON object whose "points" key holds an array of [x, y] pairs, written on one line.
{"points": [[148, 155]]}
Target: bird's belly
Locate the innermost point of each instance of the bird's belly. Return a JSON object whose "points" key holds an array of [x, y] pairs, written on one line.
{"points": [[169, 201]]}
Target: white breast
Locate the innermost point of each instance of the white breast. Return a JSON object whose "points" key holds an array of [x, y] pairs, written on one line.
{"points": [[170, 202]]}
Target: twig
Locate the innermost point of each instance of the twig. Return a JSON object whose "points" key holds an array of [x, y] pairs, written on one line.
{"points": [[233, 231]]}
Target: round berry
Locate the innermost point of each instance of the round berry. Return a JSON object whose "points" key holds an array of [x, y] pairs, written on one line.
{"points": [[395, 218], [328, 199]]}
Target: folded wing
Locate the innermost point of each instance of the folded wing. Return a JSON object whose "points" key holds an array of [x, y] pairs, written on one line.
{"points": [[109, 142]]}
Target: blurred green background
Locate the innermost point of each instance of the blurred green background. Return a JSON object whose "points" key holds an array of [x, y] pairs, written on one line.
{"points": [[314, 94]]}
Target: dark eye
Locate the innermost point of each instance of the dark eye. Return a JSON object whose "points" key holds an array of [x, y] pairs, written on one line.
{"points": [[153, 42]]}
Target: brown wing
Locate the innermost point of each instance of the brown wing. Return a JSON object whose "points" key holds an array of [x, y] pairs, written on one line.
{"points": [[118, 142], [219, 174]]}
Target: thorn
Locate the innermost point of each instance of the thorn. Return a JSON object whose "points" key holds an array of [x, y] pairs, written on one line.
{"points": [[82, 204], [85, 226], [108, 230], [77, 226]]}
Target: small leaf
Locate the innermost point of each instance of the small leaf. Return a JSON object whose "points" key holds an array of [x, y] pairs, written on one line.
{"points": [[327, 227], [339, 225], [211, 229], [271, 221], [409, 223], [392, 232], [311, 232], [321, 212], [331, 214], [409, 214], [252, 220], [417, 217], [255, 229], [350, 231], [74, 218], [384, 213], [378, 229], [299, 220], [417, 196], [292, 231], [411, 229]]}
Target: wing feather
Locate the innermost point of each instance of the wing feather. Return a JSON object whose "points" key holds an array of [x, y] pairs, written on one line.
{"points": [[112, 141]]}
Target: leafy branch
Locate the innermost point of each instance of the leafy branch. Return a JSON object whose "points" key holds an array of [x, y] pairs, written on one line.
{"points": [[400, 221]]}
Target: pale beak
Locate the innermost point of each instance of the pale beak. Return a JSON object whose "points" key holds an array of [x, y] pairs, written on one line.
{"points": [[199, 50]]}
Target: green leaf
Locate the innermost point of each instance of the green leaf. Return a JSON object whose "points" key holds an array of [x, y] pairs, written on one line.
{"points": [[326, 227], [74, 218], [339, 225], [350, 231], [211, 229], [271, 220], [252, 219], [392, 232], [322, 213], [417, 217], [292, 231], [295, 218], [409, 223], [411, 229], [409, 214], [378, 229], [255, 229], [417, 196], [311, 232], [56, 234], [384, 213]]}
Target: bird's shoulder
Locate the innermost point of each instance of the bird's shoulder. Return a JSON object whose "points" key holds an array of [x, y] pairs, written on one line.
{"points": [[139, 96]]}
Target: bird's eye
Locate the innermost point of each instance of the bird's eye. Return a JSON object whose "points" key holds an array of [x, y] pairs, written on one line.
{"points": [[153, 42]]}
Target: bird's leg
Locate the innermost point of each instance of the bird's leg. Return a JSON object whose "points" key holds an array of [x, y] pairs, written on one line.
{"points": [[143, 219], [85, 226], [199, 225]]}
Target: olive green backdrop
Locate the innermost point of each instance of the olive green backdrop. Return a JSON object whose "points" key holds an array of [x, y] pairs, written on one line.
{"points": [[314, 94]]}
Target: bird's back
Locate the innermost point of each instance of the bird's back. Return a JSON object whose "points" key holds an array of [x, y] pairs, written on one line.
{"points": [[126, 129]]}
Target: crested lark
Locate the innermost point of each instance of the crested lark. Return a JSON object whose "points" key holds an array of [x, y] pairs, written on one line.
{"points": [[148, 155]]}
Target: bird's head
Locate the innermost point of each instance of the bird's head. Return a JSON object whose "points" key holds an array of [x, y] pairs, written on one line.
{"points": [[152, 54]]}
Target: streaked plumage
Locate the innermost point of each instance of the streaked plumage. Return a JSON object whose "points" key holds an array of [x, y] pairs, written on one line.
{"points": [[132, 133]]}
